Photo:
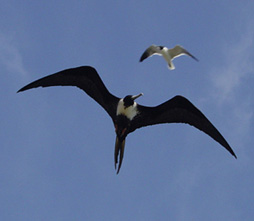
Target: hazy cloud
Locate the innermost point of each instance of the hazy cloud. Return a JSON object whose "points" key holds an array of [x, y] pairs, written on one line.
{"points": [[228, 82], [237, 65], [10, 56]]}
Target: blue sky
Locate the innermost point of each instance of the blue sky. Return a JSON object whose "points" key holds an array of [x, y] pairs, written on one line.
{"points": [[57, 144]]}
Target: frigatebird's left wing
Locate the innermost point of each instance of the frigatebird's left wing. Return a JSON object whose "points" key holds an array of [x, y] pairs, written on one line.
{"points": [[178, 110], [85, 78]]}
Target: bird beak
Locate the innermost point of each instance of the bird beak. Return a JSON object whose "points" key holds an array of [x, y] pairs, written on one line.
{"points": [[136, 96]]}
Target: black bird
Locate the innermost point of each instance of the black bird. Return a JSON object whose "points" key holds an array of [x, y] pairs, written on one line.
{"points": [[126, 114]]}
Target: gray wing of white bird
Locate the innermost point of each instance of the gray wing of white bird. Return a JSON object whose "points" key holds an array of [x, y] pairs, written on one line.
{"points": [[178, 51], [168, 54], [153, 49]]}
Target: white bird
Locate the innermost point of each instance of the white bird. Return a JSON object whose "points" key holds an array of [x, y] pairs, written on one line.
{"points": [[168, 54]]}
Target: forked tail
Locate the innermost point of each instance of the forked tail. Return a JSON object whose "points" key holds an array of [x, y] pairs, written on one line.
{"points": [[119, 149]]}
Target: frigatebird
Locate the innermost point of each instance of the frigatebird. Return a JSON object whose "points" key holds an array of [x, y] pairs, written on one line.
{"points": [[126, 114], [168, 54]]}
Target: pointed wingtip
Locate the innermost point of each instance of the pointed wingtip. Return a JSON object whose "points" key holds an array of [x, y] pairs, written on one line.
{"points": [[25, 88], [20, 90], [144, 56], [196, 59], [229, 149], [192, 56]]}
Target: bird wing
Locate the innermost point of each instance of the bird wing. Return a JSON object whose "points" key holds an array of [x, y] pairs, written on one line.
{"points": [[178, 110], [178, 51], [153, 49], [85, 78]]}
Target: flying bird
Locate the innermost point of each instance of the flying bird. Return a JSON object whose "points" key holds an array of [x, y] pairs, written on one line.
{"points": [[168, 54], [126, 114]]}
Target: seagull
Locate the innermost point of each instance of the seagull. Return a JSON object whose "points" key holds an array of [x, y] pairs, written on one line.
{"points": [[168, 54], [126, 114]]}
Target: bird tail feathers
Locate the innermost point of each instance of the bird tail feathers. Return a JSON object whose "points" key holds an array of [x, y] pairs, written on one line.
{"points": [[119, 149]]}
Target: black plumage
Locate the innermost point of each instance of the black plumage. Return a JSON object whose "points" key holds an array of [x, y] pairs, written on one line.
{"points": [[126, 114]]}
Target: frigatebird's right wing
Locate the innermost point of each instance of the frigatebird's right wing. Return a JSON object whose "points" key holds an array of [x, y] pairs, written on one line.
{"points": [[178, 110], [85, 78]]}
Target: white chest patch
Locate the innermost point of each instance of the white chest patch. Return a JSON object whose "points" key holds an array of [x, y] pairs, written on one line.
{"points": [[165, 54], [130, 112]]}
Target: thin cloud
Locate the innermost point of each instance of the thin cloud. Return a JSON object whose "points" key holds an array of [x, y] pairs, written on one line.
{"points": [[237, 65], [228, 87], [10, 56]]}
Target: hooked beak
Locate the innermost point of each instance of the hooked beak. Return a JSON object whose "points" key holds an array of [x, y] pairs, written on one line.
{"points": [[137, 96]]}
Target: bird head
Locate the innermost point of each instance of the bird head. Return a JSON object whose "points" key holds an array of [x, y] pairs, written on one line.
{"points": [[129, 99]]}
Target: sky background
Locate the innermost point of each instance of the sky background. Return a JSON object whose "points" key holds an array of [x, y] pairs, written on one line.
{"points": [[57, 144]]}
